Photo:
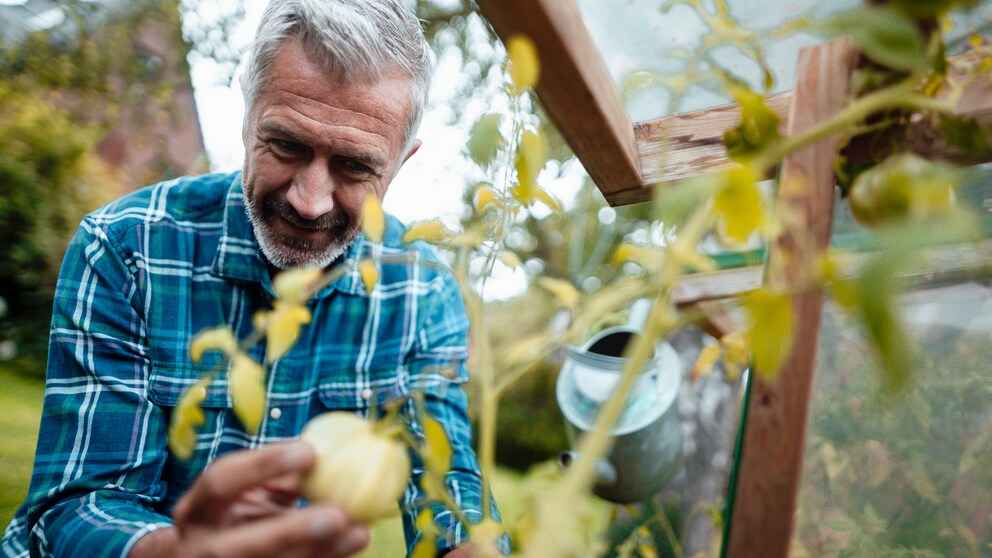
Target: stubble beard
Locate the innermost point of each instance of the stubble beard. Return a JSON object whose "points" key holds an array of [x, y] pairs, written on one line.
{"points": [[284, 251]]}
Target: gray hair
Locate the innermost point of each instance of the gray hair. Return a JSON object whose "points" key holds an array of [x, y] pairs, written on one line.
{"points": [[365, 39]]}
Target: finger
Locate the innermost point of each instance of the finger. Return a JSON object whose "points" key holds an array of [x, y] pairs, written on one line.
{"points": [[226, 479], [350, 543], [290, 533]]}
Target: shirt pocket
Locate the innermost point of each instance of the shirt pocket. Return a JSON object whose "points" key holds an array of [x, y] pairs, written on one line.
{"points": [[166, 386], [350, 390], [169, 381]]}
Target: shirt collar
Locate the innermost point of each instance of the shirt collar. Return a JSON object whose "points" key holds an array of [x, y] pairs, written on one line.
{"points": [[239, 257]]}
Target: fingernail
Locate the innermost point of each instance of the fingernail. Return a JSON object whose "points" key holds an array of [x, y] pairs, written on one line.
{"points": [[321, 527], [296, 457], [356, 539]]}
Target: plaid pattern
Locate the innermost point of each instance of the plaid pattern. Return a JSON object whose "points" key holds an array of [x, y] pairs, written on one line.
{"points": [[146, 273]]}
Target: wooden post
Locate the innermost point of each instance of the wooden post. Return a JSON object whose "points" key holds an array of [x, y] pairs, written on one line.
{"points": [[770, 467], [575, 86]]}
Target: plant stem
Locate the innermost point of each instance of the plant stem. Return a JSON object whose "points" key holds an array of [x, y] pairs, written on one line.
{"points": [[489, 394], [899, 96]]}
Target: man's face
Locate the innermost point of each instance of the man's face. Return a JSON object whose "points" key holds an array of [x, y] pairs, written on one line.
{"points": [[314, 148]]}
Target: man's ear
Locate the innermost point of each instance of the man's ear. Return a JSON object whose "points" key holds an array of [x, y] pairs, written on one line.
{"points": [[413, 149]]}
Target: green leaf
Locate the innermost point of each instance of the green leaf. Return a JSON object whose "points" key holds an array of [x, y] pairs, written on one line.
{"points": [[886, 35], [965, 134], [758, 127], [486, 140]]}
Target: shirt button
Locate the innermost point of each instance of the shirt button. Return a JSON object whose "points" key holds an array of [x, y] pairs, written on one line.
{"points": [[366, 394], [275, 413]]}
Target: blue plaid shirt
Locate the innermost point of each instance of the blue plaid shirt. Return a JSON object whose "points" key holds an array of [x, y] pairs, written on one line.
{"points": [[146, 273]]}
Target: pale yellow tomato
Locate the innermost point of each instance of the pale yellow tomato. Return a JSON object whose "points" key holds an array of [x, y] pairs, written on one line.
{"points": [[357, 467]]}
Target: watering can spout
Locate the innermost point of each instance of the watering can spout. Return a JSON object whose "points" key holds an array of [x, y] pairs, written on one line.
{"points": [[605, 472]]}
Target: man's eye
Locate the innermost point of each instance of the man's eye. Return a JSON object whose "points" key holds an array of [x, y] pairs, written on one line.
{"points": [[287, 146], [356, 167]]}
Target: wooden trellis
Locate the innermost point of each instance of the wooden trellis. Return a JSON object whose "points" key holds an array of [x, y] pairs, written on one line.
{"points": [[628, 160]]}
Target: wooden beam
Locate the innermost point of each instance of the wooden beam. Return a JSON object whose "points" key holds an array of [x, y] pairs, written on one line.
{"points": [[685, 145], [713, 285], [715, 320], [575, 87], [770, 466]]}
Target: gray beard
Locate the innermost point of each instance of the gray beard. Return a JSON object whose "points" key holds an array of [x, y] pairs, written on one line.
{"points": [[286, 252]]}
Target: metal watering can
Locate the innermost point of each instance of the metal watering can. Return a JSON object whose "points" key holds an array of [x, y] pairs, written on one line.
{"points": [[647, 445]]}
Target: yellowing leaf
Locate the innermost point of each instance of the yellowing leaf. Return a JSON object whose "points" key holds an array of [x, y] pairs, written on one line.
{"points": [[531, 156], [769, 335], [294, 285], [705, 362], [526, 350], [219, 338], [919, 478], [647, 257], [552, 202], [564, 291], [484, 197], [735, 354], [436, 454], [186, 418], [369, 273], [758, 127], [438, 450], [509, 259], [525, 66], [247, 380], [432, 231], [373, 219], [737, 206], [425, 547], [282, 328]]}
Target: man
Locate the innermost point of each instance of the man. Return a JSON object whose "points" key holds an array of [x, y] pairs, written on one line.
{"points": [[334, 92]]}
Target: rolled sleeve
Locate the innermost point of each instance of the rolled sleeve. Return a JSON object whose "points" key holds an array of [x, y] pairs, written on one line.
{"points": [[440, 365], [102, 444]]}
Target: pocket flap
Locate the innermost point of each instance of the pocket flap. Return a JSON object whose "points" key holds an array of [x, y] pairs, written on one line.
{"points": [[351, 390], [169, 381]]}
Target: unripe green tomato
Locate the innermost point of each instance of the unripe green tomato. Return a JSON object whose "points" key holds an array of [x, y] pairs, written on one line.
{"points": [[360, 469], [903, 186]]}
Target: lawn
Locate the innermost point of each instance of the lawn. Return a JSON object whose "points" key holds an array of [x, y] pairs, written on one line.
{"points": [[20, 400]]}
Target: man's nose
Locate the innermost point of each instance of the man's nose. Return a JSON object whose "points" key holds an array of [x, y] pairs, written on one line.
{"points": [[312, 192]]}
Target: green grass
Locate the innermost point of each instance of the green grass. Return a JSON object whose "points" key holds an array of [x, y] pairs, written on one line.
{"points": [[20, 399]]}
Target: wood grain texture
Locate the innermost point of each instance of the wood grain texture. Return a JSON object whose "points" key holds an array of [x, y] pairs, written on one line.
{"points": [[575, 87], [775, 428], [685, 145]]}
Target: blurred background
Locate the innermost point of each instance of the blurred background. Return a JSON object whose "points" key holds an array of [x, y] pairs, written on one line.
{"points": [[101, 97]]}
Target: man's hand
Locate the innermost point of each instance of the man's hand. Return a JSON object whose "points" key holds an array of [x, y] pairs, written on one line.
{"points": [[244, 505]]}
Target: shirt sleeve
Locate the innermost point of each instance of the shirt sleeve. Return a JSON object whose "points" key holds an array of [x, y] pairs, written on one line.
{"points": [[102, 444], [440, 367]]}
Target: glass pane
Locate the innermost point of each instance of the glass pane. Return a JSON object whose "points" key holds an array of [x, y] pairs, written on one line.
{"points": [[636, 38], [910, 475]]}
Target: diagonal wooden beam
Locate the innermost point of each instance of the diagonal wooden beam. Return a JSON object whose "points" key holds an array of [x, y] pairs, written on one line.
{"points": [[575, 87], [770, 466]]}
